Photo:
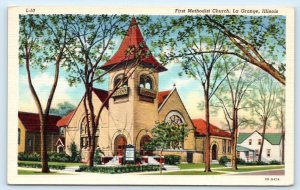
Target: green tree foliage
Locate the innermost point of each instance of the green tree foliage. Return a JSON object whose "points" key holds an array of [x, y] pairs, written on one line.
{"points": [[167, 135], [262, 103], [62, 109], [43, 40]]}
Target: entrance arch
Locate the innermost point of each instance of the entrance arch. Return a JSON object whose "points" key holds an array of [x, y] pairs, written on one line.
{"points": [[144, 141], [214, 152], [120, 143]]}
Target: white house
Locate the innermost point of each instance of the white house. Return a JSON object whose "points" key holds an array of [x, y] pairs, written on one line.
{"points": [[249, 146]]}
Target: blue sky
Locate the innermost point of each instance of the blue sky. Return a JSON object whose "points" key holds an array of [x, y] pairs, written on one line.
{"points": [[190, 90]]}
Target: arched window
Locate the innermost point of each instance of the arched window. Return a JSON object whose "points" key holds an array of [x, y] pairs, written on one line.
{"points": [[84, 140], [146, 82], [118, 80], [174, 117]]}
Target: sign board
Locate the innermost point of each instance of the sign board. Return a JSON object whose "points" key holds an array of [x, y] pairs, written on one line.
{"points": [[121, 92], [129, 153]]}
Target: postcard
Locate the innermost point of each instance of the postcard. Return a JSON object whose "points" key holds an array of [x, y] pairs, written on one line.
{"points": [[151, 96]]}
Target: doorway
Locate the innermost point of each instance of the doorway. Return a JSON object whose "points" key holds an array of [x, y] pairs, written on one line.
{"points": [[120, 144], [214, 152]]}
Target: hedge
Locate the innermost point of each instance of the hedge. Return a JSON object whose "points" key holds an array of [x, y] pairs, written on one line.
{"points": [[223, 160], [119, 169], [52, 157], [172, 159], [38, 165]]}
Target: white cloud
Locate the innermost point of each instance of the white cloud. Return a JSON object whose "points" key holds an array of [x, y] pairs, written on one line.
{"points": [[42, 84]]}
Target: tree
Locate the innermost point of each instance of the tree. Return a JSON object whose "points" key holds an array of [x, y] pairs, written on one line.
{"points": [[189, 40], [94, 37], [231, 99], [43, 40], [258, 40], [263, 101], [62, 109], [280, 118], [167, 135]]}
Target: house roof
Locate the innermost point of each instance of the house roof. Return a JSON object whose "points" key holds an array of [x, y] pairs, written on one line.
{"points": [[60, 141], [65, 120], [273, 138], [130, 43], [101, 94], [243, 149], [200, 126], [31, 122], [162, 96]]}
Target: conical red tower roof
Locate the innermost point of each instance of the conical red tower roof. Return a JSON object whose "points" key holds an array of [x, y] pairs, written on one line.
{"points": [[132, 39]]}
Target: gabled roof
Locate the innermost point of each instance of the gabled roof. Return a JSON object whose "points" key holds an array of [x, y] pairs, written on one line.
{"points": [[162, 96], [130, 43], [200, 126], [101, 94], [31, 122], [272, 138], [60, 141], [242, 137], [65, 120]]}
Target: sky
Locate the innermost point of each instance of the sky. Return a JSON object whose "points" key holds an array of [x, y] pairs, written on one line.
{"points": [[189, 89]]}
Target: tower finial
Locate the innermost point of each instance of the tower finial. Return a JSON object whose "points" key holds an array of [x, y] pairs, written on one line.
{"points": [[174, 85]]}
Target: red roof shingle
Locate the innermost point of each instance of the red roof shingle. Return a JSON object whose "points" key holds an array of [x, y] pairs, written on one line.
{"points": [[65, 120], [102, 95], [200, 126], [162, 96], [31, 122], [132, 39]]}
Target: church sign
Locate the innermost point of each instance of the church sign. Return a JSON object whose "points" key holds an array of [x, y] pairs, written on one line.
{"points": [[129, 153], [121, 92], [147, 93]]}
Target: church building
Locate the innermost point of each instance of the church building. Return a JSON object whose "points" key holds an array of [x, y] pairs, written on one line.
{"points": [[133, 110]]}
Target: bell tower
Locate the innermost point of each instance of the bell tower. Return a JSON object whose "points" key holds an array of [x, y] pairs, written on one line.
{"points": [[133, 109]]}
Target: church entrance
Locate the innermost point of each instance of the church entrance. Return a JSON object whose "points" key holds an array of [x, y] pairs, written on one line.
{"points": [[146, 139], [214, 152], [120, 143]]}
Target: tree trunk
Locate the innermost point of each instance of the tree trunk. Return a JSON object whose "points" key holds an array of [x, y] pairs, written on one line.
{"points": [[44, 155], [263, 139], [92, 148], [207, 137], [234, 140]]}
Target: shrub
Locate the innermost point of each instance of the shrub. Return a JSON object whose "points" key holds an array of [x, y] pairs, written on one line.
{"points": [[75, 154], [241, 161], [58, 157], [256, 163], [223, 160], [29, 156], [119, 169], [275, 162], [39, 165], [172, 159]]}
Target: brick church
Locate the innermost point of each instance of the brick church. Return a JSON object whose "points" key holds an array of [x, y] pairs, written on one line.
{"points": [[133, 110]]}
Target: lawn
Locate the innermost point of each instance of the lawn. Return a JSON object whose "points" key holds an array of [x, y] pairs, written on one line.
{"points": [[249, 168], [188, 173], [31, 172], [67, 164], [197, 166]]}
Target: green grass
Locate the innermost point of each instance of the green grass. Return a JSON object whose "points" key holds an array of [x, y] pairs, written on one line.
{"points": [[188, 173], [249, 168], [67, 164], [197, 166], [31, 172]]}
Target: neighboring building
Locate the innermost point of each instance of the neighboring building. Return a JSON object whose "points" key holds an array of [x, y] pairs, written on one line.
{"points": [[132, 112], [272, 149], [29, 132], [220, 140]]}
